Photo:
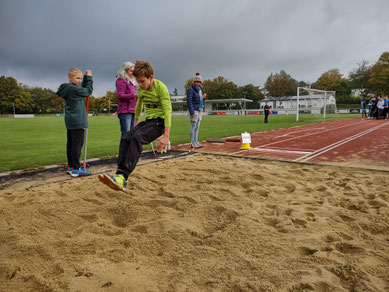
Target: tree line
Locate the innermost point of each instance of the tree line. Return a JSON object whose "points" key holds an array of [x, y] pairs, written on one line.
{"points": [[369, 79]]}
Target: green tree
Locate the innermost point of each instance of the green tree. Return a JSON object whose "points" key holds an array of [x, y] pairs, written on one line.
{"points": [[251, 92], [107, 103], [57, 103], [359, 78], [281, 84], [175, 92], [188, 84], [41, 99], [14, 97], [334, 81], [220, 88], [379, 76]]}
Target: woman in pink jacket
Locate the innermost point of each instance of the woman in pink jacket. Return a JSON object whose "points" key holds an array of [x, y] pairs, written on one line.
{"points": [[127, 97]]}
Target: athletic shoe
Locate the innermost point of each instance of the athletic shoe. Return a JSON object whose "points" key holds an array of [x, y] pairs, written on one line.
{"points": [[199, 145], [79, 172], [115, 182], [69, 170]]}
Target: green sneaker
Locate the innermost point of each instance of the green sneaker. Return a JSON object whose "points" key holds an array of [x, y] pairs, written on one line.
{"points": [[115, 182]]}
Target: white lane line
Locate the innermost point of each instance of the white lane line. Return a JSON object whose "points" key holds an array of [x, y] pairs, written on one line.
{"points": [[298, 137], [294, 132], [339, 143], [280, 150]]}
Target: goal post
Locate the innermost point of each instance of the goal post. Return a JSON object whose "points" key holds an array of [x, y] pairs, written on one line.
{"points": [[316, 101]]}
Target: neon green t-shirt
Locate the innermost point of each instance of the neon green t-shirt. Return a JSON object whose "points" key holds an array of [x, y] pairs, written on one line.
{"points": [[157, 102]]}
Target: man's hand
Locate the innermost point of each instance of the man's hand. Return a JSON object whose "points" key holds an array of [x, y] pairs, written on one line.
{"points": [[164, 141], [162, 144], [88, 73], [204, 96]]}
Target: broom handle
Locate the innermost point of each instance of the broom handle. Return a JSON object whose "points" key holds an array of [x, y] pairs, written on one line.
{"points": [[86, 133]]}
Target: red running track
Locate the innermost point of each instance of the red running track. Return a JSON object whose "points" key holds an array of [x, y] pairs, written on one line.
{"points": [[353, 142]]}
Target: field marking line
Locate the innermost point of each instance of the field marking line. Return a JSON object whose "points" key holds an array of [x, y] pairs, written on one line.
{"points": [[294, 132], [293, 138], [337, 144], [280, 150]]}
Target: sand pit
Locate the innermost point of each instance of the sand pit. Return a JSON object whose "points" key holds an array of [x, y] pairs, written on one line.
{"points": [[200, 223]]}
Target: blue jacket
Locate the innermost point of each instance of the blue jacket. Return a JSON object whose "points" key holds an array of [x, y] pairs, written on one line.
{"points": [[193, 99]]}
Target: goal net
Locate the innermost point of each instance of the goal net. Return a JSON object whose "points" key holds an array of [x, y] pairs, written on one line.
{"points": [[315, 101]]}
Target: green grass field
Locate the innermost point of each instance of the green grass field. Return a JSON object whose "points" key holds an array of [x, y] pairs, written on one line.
{"points": [[36, 142]]}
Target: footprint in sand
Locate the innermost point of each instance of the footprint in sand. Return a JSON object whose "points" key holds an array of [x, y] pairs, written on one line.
{"points": [[347, 248], [299, 222], [306, 251]]}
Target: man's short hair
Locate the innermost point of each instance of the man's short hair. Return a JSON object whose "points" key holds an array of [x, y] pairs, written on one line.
{"points": [[74, 71], [143, 69]]}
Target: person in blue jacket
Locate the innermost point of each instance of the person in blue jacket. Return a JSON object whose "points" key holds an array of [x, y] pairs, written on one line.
{"points": [[363, 107], [195, 101]]}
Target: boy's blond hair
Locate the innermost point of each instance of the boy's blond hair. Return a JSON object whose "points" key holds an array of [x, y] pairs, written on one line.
{"points": [[74, 71], [143, 69]]}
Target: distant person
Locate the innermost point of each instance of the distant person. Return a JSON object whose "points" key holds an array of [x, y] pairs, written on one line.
{"points": [[380, 108], [374, 101], [370, 108], [386, 110], [195, 102], [155, 97], [363, 107], [127, 97], [76, 119], [267, 110]]}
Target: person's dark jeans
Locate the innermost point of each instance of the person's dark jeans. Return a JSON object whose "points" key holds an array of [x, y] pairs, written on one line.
{"points": [[132, 141], [127, 122], [380, 113], [266, 116], [73, 147]]}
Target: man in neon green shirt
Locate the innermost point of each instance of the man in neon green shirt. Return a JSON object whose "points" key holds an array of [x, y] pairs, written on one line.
{"points": [[155, 97]]}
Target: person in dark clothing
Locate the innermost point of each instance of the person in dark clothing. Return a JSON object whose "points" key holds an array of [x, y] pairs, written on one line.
{"points": [[267, 110], [76, 120]]}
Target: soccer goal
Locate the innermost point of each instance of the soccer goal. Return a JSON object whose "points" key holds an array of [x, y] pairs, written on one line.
{"points": [[315, 101]]}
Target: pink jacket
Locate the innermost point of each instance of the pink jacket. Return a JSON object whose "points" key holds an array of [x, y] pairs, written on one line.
{"points": [[126, 100]]}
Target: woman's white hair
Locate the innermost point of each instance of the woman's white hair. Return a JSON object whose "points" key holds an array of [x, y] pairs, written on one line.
{"points": [[122, 72]]}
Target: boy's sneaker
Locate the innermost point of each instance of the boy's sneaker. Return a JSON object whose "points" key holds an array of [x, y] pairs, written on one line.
{"points": [[199, 145], [69, 170], [79, 172], [116, 181]]}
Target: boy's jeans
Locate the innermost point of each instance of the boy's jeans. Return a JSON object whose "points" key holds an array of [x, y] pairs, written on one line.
{"points": [[127, 122], [132, 141], [194, 127], [73, 147]]}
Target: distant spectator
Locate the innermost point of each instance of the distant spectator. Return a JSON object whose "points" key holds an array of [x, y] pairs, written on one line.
{"points": [[370, 108], [363, 106], [195, 101], [380, 108], [267, 110]]}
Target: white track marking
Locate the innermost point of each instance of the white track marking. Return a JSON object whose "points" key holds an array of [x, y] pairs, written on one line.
{"points": [[294, 138], [337, 144], [280, 150]]}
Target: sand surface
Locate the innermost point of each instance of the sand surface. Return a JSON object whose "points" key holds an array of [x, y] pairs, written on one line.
{"points": [[199, 223]]}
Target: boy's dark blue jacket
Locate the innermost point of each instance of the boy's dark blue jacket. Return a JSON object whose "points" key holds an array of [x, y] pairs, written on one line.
{"points": [[75, 110], [193, 99]]}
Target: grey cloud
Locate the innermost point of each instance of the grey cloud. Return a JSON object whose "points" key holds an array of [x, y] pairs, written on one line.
{"points": [[243, 41]]}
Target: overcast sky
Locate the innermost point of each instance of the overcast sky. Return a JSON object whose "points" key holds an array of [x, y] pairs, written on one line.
{"points": [[241, 40]]}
